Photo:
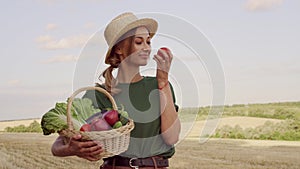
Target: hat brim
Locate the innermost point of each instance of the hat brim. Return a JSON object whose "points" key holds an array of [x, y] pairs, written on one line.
{"points": [[149, 23]]}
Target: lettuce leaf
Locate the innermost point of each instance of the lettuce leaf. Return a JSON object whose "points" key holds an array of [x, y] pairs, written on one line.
{"points": [[55, 119], [83, 109]]}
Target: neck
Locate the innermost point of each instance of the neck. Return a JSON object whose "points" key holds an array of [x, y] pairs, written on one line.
{"points": [[128, 74]]}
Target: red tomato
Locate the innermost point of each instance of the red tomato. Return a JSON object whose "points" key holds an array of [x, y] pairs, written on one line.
{"points": [[85, 127]]}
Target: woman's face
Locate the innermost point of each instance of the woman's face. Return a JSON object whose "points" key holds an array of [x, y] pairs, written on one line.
{"points": [[140, 48]]}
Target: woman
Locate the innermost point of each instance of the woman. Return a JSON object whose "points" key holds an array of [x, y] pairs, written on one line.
{"points": [[150, 101]]}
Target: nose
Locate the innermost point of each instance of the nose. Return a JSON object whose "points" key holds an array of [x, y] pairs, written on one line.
{"points": [[146, 47]]}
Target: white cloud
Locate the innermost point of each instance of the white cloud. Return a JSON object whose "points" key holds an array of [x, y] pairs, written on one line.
{"points": [[44, 38], [51, 26], [49, 43], [60, 59], [255, 5], [14, 82]]}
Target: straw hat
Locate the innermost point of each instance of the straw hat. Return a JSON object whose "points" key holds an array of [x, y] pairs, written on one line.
{"points": [[124, 23]]}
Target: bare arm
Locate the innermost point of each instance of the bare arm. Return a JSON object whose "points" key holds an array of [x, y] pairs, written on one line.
{"points": [[170, 123]]}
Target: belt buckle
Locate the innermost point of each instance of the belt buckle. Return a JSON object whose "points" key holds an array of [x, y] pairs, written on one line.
{"points": [[131, 165]]}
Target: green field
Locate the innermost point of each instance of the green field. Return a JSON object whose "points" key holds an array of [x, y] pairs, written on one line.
{"points": [[288, 129], [288, 112]]}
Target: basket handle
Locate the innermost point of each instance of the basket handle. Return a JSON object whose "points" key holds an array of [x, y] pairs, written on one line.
{"points": [[71, 98]]}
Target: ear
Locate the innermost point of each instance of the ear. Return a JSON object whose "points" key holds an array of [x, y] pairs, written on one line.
{"points": [[118, 51]]}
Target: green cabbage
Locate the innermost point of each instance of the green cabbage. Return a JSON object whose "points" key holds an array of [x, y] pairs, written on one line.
{"points": [[55, 119]]}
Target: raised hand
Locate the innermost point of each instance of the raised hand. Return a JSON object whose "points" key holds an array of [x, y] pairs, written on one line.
{"points": [[163, 60]]}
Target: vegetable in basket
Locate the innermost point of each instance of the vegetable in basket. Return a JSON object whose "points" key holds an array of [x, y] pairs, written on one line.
{"points": [[105, 120], [86, 127], [55, 120], [100, 125], [111, 117]]}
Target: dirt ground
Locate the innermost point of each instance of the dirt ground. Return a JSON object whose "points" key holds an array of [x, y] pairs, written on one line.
{"points": [[32, 150], [236, 154], [23, 151]]}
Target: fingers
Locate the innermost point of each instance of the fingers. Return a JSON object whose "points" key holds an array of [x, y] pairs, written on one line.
{"points": [[87, 144], [76, 140], [159, 59], [163, 59], [91, 153], [91, 148], [163, 56], [84, 148]]}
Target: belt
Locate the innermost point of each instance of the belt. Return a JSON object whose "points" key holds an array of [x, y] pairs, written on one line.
{"points": [[137, 162]]}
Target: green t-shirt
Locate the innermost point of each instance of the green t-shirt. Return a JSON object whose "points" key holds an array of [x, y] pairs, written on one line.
{"points": [[141, 101]]}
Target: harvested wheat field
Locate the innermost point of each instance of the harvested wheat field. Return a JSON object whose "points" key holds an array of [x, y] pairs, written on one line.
{"points": [[28, 150]]}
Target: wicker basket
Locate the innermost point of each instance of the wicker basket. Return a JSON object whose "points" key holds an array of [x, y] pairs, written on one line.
{"points": [[114, 141]]}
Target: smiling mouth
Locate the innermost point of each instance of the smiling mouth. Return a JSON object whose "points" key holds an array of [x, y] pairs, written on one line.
{"points": [[144, 55]]}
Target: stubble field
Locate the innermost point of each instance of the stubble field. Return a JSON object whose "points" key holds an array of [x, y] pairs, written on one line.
{"points": [[32, 151]]}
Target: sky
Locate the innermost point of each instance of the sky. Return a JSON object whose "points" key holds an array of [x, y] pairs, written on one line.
{"points": [[248, 50]]}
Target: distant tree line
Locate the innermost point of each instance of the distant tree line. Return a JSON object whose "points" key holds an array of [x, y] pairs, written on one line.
{"points": [[34, 127], [286, 130]]}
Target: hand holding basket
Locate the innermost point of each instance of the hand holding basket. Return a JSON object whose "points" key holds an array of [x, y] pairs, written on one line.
{"points": [[114, 141]]}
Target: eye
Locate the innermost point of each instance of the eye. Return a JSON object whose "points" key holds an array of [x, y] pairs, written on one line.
{"points": [[149, 42], [138, 42]]}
